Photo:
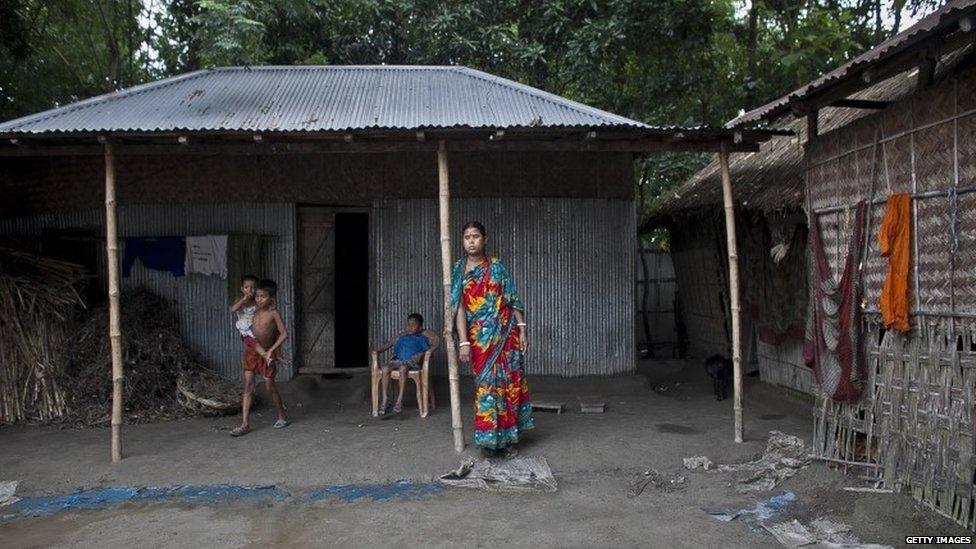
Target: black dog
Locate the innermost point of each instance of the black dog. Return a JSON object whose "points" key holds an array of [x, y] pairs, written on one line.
{"points": [[719, 369]]}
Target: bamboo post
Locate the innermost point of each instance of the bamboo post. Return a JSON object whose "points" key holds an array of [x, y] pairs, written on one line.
{"points": [[114, 323], [452, 357], [734, 307]]}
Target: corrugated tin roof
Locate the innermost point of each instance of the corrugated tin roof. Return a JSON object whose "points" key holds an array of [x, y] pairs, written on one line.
{"points": [[320, 98], [941, 19]]}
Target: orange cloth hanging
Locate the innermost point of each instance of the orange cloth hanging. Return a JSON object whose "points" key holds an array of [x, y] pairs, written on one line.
{"points": [[895, 239]]}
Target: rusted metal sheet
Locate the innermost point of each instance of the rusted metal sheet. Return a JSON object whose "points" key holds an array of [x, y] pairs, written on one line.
{"points": [[572, 260], [201, 302]]}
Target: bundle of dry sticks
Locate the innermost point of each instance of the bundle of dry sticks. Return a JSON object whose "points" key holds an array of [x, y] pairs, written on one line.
{"points": [[159, 368], [56, 367], [38, 296]]}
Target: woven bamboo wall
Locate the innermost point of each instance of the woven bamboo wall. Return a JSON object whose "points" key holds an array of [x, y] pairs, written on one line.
{"points": [[914, 426], [783, 365], [700, 259]]}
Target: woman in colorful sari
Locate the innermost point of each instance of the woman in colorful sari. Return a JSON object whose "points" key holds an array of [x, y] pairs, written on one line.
{"points": [[492, 337]]}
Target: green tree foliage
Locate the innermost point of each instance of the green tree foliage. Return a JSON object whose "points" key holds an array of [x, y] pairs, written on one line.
{"points": [[665, 62], [57, 52]]}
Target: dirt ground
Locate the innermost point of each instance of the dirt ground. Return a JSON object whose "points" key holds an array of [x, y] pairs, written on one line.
{"points": [[653, 420]]}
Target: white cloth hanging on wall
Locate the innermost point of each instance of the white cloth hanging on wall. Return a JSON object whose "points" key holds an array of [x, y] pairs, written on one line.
{"points": [[206, 255]]}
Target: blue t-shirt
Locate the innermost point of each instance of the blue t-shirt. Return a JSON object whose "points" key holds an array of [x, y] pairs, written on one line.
{"points": [[408, 345]]}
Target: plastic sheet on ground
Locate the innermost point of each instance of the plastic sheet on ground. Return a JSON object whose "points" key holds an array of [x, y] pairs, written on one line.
{"points": [[785, 455], [756, 516], [7, 490], [518, 474], [819, 534]]}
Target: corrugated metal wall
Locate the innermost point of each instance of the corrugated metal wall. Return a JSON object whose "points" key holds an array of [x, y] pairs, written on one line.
{"points": [[201, 300], [661, 284], [573, 262]]}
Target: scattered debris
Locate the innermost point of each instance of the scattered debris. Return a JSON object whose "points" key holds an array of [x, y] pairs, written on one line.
{"points": [[592, 405], [754, 516], [222, 396], [666, 388], [462, 470], [698, 461], [666, 484], [819, 533], [548, 406], [784, 456], [7, 490], [509, 475], [869, 490]]}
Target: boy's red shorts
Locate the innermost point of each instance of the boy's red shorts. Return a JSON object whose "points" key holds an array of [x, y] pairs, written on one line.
{"points": [[254, 362]]}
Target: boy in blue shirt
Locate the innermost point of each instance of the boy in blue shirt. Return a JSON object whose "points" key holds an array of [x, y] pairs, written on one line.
{"points": [[408, 352]]}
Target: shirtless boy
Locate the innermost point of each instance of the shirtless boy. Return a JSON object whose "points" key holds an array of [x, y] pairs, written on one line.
{"points": [[269, 331]]}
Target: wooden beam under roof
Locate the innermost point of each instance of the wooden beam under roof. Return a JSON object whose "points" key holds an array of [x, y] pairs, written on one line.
{"points": [[269, 147]]}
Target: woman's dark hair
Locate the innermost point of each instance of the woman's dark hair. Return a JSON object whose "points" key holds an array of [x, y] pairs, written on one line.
{"points": [[474, 225]]}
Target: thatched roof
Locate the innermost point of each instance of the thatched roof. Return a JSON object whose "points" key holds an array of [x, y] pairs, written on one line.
{"points": [[772, 178]]}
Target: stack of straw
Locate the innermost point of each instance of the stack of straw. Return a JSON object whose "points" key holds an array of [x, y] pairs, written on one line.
{"points": [[37, 298]]}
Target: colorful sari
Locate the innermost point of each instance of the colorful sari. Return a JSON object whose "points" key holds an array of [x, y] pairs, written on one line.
{"points": [[501, 400]]}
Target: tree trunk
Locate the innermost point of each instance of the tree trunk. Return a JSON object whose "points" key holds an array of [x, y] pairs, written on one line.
{"points": [[752, 78]]}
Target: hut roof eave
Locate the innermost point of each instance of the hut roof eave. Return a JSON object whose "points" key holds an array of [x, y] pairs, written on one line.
{"points": [[772, 178]]}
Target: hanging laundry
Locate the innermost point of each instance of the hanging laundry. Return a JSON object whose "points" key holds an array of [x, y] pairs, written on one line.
{"points": [[160, 253], [832, 346], [206, 255], [895, 240], [245, 256]]}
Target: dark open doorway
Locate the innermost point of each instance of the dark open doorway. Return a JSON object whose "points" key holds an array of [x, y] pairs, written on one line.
{"points": [[351, 289]]}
